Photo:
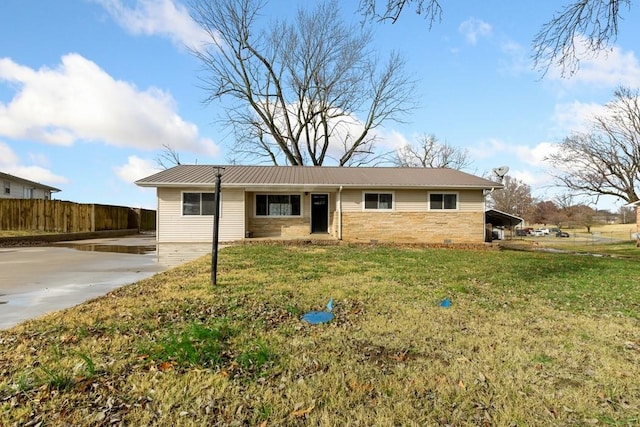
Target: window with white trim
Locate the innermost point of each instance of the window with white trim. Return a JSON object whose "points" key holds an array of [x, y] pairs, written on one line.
{"points": [[278, 205], [28, 193], [443, 201], [7, 187], [378, 201], [198, 204]]}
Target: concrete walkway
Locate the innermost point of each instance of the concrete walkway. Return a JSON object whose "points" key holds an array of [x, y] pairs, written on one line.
{"points": [[37, 280]]}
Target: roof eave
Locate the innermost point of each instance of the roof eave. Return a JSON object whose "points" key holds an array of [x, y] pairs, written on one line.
{"points": [[312, 185]]}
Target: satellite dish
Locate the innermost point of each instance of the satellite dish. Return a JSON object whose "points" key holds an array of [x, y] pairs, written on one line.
{"points": [[501, 171]]}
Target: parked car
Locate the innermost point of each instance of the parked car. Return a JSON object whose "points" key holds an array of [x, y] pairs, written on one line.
{"points": [[521, 232], [545, 231], [562, 234], [538, 233]]}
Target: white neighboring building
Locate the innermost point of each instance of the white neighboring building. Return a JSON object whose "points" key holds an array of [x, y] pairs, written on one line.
{"points": [[14, 187]]}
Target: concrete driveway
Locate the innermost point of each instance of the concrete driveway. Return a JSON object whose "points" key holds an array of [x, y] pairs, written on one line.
{"points": [[38, 280]]}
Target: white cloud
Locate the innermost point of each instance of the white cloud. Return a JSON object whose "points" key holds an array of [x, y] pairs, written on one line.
{"points": [[606, 69], [79, 101], [7, 156], [534, 179], [575, 116], [10, 163], [474, 28], [536, 155], [135, 169], [391, 140], [487, 149], [497, 149], [162, 17], [517, 58], [39, 159]]}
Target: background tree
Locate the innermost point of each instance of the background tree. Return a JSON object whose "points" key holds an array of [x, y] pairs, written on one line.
{"points": [[575, 213], [627, 215], [546, 212], [391, 10], [515, 198], [427, 152], [585, 216], [583, 27], [168, 157], [606, 160], [296, 88]]}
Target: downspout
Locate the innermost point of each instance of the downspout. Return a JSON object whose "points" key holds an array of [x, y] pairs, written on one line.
{"points": [[484, 214], [340, 213]]}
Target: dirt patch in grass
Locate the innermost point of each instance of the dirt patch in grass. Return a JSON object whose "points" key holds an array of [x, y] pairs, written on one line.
{"points": [[530, 339]]}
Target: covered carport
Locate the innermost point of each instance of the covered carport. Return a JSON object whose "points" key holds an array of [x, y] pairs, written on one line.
{"points": [[495, 219]]}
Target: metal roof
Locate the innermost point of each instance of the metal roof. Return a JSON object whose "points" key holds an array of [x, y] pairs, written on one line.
{"points": [[316, 177], [499, 218], [27, 182]]}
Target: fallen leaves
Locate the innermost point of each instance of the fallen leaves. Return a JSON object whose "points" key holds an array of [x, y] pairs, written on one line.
{"points": [[302, 412], [166, 366]]}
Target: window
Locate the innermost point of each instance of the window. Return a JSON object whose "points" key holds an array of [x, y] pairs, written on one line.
{"points": [[278, 205], [7, 187], [28, 193], [198, 203], [443, 201], [378, 201]]}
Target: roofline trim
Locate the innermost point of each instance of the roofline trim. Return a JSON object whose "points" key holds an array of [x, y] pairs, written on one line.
{"points": [[285, 185]]}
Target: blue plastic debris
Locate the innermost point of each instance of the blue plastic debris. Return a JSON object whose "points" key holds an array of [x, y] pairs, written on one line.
{"points": [[316, 317], [446, 303], [330, 305]]}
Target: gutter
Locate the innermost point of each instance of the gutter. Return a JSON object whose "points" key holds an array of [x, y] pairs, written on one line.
{"points": [[316, 187]]}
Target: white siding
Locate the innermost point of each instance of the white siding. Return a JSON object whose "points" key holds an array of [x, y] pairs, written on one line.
{"points": [[174, 227], [415, 200], [17, 190], [471, 201]]}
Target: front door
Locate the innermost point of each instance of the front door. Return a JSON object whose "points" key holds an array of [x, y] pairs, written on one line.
{"points": [[319, 213]]}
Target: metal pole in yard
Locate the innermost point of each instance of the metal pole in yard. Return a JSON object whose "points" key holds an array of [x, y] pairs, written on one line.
{"points": [[216, 227]]}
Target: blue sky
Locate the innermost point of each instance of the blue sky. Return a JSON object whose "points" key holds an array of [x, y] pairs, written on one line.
{"points": [[90, 90]]}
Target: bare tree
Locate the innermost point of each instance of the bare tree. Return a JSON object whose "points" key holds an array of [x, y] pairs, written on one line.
{"points": [[584, 216], [427, 152], [583, 27], [430, 9], [514, 198], [627, 215], [605, 161], [546, 212], [575, 213], [295, 89], [168, 157]]}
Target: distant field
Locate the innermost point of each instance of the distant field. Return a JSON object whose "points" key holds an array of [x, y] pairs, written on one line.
{"points": [[610, 233]]}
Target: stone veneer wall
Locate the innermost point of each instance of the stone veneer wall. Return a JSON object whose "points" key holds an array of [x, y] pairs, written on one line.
{"points": [[284, 227], [413, 227]]}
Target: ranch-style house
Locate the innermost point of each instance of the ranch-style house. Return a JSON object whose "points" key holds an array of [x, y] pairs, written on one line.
{"points": [[353, 204]]}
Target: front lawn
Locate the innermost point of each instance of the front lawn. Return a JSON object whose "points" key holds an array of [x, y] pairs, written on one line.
{"points": [[530, 338]]}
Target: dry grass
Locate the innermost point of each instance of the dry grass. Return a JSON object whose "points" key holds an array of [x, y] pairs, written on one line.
{"points": [[21, 233], [600, 239], [530, 339]]}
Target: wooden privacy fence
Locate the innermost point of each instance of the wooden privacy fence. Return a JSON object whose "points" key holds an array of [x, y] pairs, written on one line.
{"points": [[69, 217]]}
